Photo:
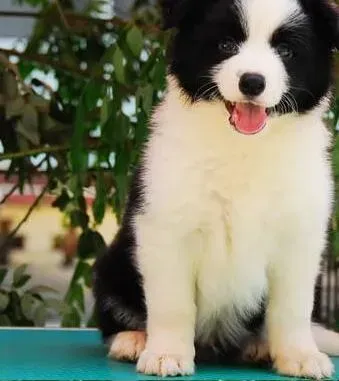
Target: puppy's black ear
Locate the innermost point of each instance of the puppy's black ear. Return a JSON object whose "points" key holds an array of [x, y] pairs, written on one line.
{"points": [[325, 15], [174, 11], [330, 13], [336, 29], [333, 22]]}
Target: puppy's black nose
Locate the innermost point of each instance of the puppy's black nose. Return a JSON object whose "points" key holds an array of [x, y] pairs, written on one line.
{"points": [[252, 84]]}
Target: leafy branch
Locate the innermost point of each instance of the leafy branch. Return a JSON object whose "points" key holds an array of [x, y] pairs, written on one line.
{"points": [[110, 74], [92, 144], [78, 22], [34, 152], [45, 60]]}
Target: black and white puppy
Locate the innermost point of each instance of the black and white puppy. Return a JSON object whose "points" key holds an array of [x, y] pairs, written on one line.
{"points": [[227, 216]]}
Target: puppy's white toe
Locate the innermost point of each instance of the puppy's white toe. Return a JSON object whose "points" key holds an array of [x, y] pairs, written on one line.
{"points": [[304, 364], [165, 365]]}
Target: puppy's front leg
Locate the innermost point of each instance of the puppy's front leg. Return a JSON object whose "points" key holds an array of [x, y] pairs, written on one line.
{"points": [[291, 284], [168, 274]]}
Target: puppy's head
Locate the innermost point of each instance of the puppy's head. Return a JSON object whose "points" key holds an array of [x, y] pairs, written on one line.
{"points": [[259, 57]]}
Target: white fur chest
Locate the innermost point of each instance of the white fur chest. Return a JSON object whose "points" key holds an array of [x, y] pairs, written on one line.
{"points": [[235, 200]]}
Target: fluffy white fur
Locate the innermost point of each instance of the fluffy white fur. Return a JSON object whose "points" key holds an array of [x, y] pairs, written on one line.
{"points": [[229, 216]]}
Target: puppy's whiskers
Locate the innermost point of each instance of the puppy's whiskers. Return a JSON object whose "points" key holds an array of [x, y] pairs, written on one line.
{"points": [[206, 88], [301, 89]]}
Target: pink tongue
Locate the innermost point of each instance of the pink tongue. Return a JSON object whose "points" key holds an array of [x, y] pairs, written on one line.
{"points": [[248, 118]]}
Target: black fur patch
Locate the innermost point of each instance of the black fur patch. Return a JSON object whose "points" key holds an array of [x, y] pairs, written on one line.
{"points": [[195, 51], [118, 291], [310, 68]]}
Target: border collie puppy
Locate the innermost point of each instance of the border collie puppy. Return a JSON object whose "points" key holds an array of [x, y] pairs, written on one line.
{"points": [[220, 245]]}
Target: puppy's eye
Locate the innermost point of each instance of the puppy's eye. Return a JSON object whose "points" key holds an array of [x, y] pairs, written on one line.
{"points": [[229, 47], [285, 51]]}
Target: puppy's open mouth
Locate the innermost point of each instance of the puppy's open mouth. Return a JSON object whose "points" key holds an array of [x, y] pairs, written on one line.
{"points": [[247, 118]]}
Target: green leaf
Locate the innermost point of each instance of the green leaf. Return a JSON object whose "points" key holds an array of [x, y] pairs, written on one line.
{"points": [[72, 318], [79, 218], [92, 322], [77, 295], [78, 274], [42, 290], [122, 188], [56, 305], [159, 74], [99, 205], [37, 101], [335, 157], [135, 40], [62, 201], [23, 143], [81, 202], [28, 304], [14, 108], [3, 273], [82, 271], [78, 151], [5, 321], [92, 93], [14, 308], [141, 129], [104, 111], [40, 316], [121, 128], [10, 85], [148, 66], [336, 245], [28, 126], [91, 243], [145, 97], [88, 275], [121, 170], [118, 63], [25, 68], [4, 301], [21, 281], [19, 272]]}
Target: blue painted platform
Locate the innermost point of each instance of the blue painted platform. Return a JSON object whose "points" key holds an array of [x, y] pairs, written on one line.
{"points": [[74, 355]]}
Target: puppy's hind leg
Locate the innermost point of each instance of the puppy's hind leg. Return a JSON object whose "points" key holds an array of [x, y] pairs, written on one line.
{"points": [[119, 299], [127, 346]]}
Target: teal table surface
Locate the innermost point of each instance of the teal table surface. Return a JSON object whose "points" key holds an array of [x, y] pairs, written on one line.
{"points": [[79, 355]]}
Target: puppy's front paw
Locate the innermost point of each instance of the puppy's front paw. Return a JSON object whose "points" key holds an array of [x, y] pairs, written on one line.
{"points": [[312, 364], [256, 351], [165, 364], [127, 346]]}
